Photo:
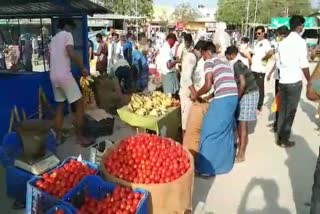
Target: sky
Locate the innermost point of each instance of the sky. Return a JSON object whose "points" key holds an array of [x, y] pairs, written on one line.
{"points": [[209, 3]]}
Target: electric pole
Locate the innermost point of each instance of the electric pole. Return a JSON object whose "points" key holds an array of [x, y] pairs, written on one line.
{"points": [[247, 20]]}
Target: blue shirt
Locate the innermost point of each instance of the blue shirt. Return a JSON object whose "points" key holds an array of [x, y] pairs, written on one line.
{"points": [[127, 52]]}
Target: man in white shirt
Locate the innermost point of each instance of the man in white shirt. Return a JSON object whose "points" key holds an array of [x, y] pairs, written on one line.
{"points": [[282, 32], [293, 62], [64, 85], [261, 53], [166, 63]]}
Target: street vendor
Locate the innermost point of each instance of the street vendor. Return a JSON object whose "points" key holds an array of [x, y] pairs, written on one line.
{"points": [[64, 84]]}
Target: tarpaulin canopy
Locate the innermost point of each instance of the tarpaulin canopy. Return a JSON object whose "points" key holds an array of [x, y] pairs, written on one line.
{"points": [[45, 8]]}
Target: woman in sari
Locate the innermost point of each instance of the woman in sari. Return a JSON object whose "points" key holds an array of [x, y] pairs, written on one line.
{"points": [[217, 139]]}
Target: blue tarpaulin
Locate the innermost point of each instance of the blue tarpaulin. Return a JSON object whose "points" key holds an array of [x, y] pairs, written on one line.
{"points": [[21, 90]]}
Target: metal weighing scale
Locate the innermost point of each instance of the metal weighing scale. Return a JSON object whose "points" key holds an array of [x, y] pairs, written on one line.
{"points": [[35, 159]]}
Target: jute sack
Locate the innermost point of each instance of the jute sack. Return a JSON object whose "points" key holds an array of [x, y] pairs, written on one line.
{"points": [[168, 198], [107, 93], [191, 138]]}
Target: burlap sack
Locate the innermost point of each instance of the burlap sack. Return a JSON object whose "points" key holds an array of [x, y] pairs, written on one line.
{"points": [[191, 138], [108, 94], [169, 198]]}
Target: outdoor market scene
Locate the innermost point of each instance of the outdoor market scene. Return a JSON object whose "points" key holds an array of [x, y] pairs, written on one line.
{"points": [[159, 107]]}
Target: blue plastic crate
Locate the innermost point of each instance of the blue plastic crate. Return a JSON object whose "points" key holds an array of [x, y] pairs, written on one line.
{"points": [[11, 148], [16, 183], [97, 188], [39, 201], [66, 208]]}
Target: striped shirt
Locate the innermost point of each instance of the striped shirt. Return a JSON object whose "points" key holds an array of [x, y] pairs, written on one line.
{"points": [[224, 83]]}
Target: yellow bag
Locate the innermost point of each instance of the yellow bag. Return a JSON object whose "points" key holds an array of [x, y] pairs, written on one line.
{"points": [[275, 106]]}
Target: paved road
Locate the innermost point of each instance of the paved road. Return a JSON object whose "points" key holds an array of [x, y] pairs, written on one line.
{"points": [[273, 180]]}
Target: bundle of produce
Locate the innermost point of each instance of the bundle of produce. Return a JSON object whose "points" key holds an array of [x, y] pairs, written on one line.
{"points": [[63, 179], [156, 104], [87, 92], [158, 165]]}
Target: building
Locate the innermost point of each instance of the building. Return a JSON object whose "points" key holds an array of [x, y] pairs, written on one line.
{"points": [[204, 19]]}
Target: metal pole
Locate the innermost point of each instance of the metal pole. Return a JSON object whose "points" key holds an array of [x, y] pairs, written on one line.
{"points": [[137, 20], [255, 18], [247, 19]]}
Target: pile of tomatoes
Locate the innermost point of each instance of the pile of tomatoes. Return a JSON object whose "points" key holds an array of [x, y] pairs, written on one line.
{"points": [[63, 179], [121, 201], [148, 159]]}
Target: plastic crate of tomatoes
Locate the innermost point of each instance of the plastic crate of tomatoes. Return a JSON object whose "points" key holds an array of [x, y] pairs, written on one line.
{"points": [[61, 209], [48, 190], [96, 196]]}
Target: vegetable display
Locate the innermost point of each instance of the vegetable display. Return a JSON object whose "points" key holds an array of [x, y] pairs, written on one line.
{"points": [[63, 179], [121, 201], [156, 104], [148, 159]]}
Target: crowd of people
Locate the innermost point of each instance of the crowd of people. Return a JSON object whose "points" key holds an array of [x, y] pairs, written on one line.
{"points": [[220, 93]]}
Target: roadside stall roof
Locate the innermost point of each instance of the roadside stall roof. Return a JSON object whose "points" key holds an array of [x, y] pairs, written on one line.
{"points": [[46, 8], [115, 16]]}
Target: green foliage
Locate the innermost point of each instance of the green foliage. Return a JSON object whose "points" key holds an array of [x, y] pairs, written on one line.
{"points": [[235, 11], [128, 7], [184, 11]]}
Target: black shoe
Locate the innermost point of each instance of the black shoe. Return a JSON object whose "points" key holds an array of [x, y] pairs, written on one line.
{"points": [[286, 143]]}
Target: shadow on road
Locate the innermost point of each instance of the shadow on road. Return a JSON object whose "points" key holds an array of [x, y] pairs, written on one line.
{"points": [[310, 111], [202, 186], [271, 195], [301, 163]]}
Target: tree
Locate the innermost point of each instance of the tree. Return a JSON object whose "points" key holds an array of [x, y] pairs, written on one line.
{"points": [[164, 19], [235, 11], [128, 7], [184, 11]]}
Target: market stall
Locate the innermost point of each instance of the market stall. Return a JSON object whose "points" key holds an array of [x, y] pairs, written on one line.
{"points": [[26, 28], [153, 114]]}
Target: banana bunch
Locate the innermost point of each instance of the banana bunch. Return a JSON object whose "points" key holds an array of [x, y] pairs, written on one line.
{"points": [[156, 104], [87, 92]]}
